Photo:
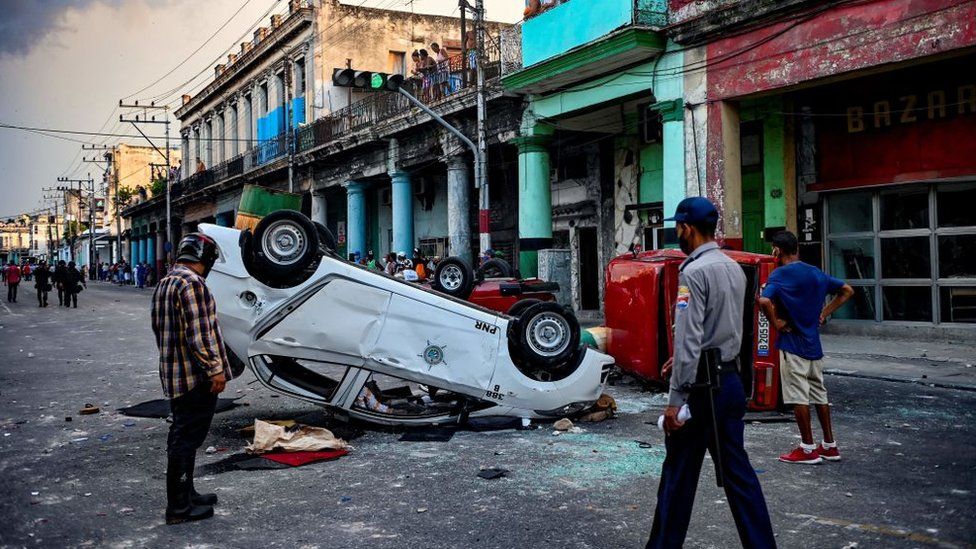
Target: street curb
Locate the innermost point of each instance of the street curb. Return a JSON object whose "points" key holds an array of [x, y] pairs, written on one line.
{"points": [[914, 381]]}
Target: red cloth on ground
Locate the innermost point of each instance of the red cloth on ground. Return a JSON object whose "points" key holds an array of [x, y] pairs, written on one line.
{"points": [[297, 459]]}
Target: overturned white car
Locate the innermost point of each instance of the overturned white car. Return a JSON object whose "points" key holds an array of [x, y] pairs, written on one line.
{"points": [[379, 349]]}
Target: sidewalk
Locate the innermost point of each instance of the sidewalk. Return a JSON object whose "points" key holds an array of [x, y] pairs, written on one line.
{"points": [[940, 364]]}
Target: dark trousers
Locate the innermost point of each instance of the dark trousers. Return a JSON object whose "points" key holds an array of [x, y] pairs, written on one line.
{"points": [[69, 297], [192, 414], [12, 291], [42, 297], [682, 467]]}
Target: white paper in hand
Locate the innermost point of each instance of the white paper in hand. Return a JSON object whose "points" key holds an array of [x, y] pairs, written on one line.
{"points": [[684, 414]]}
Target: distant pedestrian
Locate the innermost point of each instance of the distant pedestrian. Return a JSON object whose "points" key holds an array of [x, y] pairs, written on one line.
{"points": [[193, 368], [43, 283], [13, 281], [27, 272], [141, 275], [127, 273], [58, 278], [793, 300], [74, 282]]}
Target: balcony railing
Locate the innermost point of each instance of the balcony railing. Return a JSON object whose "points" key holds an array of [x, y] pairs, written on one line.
{"points": [[569, 24], [450, 78]]}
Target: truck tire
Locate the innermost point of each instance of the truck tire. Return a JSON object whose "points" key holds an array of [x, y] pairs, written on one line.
{"points": [[520, 306], [285, 244], [495, 268], [454, 277], [545, 335]]}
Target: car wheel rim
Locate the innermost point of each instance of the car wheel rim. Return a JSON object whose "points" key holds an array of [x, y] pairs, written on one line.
{"points": [[548, 334], [284, 243], [451, 277]]}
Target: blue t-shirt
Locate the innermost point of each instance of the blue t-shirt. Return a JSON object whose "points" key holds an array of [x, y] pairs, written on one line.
{"points": [[799, 291]]}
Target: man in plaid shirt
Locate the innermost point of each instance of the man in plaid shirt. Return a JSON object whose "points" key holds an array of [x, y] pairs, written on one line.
{"points": [[193, 369]]}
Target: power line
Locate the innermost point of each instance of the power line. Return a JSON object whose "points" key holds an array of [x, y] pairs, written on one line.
{"points": [[184, 61]]}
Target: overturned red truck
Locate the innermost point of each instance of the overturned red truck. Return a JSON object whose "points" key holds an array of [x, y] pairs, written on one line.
{"points": [[639, 303]]}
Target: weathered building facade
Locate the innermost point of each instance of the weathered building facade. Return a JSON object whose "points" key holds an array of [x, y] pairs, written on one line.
{"points": [[375, 169], [592, 150], [851, 124]]}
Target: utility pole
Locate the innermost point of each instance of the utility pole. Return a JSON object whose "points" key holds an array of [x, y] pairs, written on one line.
{"points": [[289, 146], [91, 197], [91, 227], [481, 170], [108, 166], [147, 119]]}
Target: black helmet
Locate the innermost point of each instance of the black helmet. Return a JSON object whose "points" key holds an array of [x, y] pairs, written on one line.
{"points": [[197, 248]]}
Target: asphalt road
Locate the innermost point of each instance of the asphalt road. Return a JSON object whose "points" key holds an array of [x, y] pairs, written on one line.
{"points": [[907, 478]]}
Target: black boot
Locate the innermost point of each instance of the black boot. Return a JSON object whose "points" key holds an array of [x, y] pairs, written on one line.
{"points": [[195, 497], [179, 508]]}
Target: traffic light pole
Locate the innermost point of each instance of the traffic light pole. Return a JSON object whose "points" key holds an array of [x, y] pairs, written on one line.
{"points": [[481, 170]]}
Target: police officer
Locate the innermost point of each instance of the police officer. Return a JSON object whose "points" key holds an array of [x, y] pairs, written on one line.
{"points": [[708, 322]]}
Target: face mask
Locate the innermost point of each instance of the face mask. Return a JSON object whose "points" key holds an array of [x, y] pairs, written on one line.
{"points": [[683, 243]]}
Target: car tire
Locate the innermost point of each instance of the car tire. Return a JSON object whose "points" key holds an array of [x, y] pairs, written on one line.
{"points": [[326, 238], [285, 244], [520, 306], [495, 268], [545, 335], [454, 277]]}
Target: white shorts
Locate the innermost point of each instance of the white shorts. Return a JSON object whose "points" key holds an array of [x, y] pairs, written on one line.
{"points": [[802, 380]]}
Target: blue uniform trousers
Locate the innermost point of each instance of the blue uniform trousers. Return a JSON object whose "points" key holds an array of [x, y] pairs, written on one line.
{"points": [[682, 467]]}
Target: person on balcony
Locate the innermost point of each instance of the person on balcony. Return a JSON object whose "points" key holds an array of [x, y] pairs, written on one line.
{"points": [[200, 166]]}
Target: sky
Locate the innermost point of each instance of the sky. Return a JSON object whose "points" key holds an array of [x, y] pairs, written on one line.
{"points": [[65, 64]]}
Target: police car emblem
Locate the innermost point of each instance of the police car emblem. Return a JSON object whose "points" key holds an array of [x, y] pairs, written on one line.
{"points": [[433, 355]]}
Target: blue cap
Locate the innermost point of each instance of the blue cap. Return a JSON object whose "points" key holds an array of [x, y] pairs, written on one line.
{"points": [[695, 209]]}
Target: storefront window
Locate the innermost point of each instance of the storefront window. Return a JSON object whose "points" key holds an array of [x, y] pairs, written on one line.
{"points": [[851, 213], [954, 261], [860, 306], [905, 257], [956, 206], [905, 210], [958, 303], [852, 258], [916, 226], [907, 303]]}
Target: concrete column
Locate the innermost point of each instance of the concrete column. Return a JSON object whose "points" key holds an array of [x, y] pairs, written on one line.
{"points": [[534, 201], [724, 168], [151, 249], [458, 207], [319, 207], [133, 250], [185, 155], [160, 254], [402, 198], [673, 146], [356, 218], [142, 249]]}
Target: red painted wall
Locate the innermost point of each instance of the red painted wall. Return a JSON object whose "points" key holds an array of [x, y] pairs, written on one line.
{"points": [[892, 134], [840, 40]]}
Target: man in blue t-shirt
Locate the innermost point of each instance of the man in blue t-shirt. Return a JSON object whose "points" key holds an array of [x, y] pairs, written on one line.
{"points": [[793, 300]]}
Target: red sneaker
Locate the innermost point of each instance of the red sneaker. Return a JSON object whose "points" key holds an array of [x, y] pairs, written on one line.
{"points": [[799, 455], [830, 454]]}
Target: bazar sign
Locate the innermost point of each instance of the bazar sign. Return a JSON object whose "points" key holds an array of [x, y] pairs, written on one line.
{"points": [[908, 109]]}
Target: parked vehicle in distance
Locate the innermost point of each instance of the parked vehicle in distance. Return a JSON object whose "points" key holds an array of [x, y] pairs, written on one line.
{"points": [[316, 327], [641, 290]]}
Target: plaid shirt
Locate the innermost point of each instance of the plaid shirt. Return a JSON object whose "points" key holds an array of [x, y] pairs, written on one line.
{"points": [[184, 319]]}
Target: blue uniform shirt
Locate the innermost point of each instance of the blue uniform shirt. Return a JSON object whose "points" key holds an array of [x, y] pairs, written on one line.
{"points": [[799, 291]]}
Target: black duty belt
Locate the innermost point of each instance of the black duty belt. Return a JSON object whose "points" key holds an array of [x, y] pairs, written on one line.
{"points": [[729, 366]]}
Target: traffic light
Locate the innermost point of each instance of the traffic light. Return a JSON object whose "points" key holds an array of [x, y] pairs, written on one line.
{"points": [[366, 80]]}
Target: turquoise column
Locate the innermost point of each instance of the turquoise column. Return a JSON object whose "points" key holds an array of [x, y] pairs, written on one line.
{"points": [[673, 136], [534, 201], [151, 251], [356, 218], [402, 198], [669, 91], [133, 250], [142, 249]]}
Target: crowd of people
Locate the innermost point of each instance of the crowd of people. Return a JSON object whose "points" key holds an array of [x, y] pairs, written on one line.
{"points": [[65, 277], [416, 268], [142, 274], [434, 74]]}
